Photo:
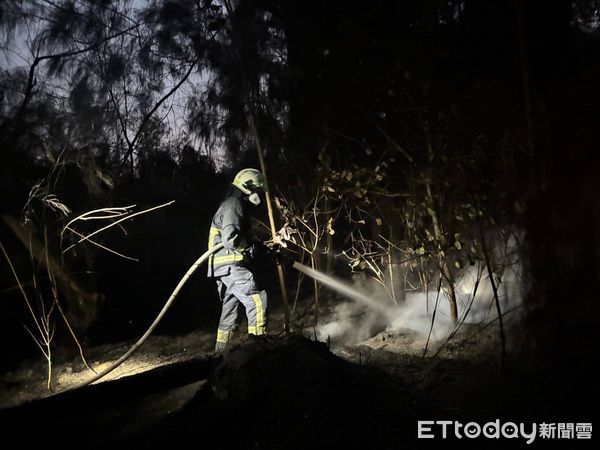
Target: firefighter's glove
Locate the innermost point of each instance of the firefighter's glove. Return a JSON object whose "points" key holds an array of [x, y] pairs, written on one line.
{"points": [[249, 252]]}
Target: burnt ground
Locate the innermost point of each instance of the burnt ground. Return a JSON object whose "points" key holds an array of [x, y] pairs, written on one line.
{"points": [[279, 392]]}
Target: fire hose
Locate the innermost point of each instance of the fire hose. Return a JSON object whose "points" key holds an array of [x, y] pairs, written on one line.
{"points": [[149, 331], [156, 321]]}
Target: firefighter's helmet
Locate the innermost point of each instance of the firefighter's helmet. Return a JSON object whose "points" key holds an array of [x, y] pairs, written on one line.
{"points": [[249, 181]]}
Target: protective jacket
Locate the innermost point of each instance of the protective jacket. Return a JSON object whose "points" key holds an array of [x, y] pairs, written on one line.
{"points": [[231, 226], [235, 281]]}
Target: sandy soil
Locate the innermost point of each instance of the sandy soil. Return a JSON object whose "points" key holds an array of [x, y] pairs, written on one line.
{"points": [[455, 375], [299, 393], [29, 380], [399, 353]]}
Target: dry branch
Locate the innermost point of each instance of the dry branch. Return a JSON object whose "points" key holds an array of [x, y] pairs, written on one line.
{"points": [[85, 238]]}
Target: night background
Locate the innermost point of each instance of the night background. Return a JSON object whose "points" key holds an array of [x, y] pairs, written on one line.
{"points": [[438, 160]]}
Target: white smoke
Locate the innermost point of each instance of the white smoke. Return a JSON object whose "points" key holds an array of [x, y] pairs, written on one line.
{"points": [[351, 323], [371, 311]]}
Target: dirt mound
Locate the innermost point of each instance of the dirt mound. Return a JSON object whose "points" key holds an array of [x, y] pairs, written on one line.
{"points": [[293, 393]]}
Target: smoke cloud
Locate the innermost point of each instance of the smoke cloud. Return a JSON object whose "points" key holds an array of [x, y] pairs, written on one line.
{"points": [[365, 309]]}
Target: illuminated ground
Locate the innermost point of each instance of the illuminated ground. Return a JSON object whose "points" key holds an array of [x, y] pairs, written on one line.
{"points": [[28, 382], [177, 378], [289, 392]]}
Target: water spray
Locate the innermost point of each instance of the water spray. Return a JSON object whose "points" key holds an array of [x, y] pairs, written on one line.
{"points": [[340, 287], [284, 236]]}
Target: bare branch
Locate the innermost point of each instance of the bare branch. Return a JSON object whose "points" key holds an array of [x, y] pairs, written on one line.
{"points": [[153, 110], [117, 222], [25, 298], [103, 247], [38, 59]]}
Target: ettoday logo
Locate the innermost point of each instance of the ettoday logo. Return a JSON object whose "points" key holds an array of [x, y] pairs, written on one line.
{"points": [[444, 429]]}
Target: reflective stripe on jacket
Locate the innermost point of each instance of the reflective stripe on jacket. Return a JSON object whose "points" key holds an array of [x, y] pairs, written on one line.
{"points": [[230, 225]]}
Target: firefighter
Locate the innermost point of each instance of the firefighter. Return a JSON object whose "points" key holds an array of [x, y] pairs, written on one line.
{"points": [[230, 266]]}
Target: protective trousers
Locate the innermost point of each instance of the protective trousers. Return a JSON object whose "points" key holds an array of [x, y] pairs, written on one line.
{"points": [[239, 286]]}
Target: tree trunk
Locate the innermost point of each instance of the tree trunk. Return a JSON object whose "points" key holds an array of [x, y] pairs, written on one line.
{"points": [[446, 272], [450, 290], [280, 272]]}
